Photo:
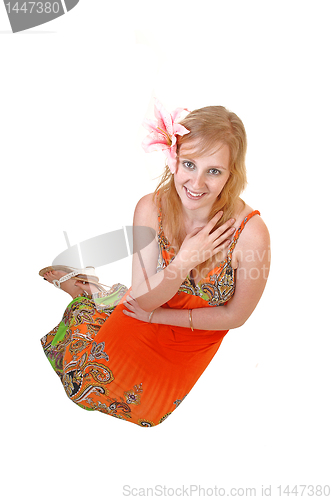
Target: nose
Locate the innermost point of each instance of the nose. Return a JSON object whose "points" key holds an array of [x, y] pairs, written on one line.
{"points": [[198, 181]]}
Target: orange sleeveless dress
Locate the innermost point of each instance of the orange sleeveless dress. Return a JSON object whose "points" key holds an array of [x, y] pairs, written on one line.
{"points": [[130, 369]]}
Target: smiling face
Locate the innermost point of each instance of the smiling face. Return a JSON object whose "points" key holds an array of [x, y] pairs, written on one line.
{"points": [[200, 179]]}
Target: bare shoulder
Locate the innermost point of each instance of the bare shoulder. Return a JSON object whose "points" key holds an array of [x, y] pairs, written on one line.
{"points": [[146, 212], [255, 227], [255, 236]]}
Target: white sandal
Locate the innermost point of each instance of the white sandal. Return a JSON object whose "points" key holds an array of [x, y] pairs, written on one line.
{"points": [[86, 275]]}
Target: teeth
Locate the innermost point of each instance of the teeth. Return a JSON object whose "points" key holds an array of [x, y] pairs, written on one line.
{"points": [[193, 194]]}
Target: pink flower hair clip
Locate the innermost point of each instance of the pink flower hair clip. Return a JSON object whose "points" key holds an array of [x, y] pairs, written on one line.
{"points": [[163, 133]]}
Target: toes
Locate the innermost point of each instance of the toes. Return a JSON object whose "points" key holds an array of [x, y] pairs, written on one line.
{"points": [[52, 275]]}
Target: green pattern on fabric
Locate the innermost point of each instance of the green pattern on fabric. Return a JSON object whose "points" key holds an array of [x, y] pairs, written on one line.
{"points": [[110, 300], [62, 328], [78, 310]]}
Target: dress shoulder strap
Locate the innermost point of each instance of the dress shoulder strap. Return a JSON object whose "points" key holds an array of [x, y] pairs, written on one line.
{"points": [[160, 218], [239, 231]]}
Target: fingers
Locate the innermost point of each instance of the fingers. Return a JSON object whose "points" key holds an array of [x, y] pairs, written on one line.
{"points": [[225, 225], [129, 306], [128, 313], [222, 246], [129, 303], [221, 234], [224, 231], [210, 225], [194, 232]]}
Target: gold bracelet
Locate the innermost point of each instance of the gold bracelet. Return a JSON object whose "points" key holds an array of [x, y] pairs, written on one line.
{"points": [[191, 320], [151, 313]]}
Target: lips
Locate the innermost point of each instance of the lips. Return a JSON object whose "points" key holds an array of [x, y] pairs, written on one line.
{"points": [[192, 195]]}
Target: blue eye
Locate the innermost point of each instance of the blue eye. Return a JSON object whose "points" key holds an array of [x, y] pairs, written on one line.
{"points": [[215, 171], [188, 164]]}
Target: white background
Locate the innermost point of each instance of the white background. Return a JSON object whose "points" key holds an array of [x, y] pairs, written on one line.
{"points": [[73, 95]]}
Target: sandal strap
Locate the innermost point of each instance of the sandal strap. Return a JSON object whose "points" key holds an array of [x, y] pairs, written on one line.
{"points": [[57, 283]]}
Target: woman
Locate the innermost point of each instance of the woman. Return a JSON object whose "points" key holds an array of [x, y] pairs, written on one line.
{"points": [[137, 361]]}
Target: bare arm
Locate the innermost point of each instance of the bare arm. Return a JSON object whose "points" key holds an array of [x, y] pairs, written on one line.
{"points": [[253, 262], [152, 289], [253, 258]]}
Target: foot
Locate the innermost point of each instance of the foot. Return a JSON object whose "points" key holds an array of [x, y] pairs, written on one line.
{"points": [[71, 286]]}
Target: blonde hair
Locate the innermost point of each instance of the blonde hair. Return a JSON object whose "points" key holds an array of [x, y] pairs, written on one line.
{"points": [[211, 127]]}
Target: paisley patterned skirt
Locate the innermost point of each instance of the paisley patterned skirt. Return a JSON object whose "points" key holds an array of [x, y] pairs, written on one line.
{"points": [[129, 369]]}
